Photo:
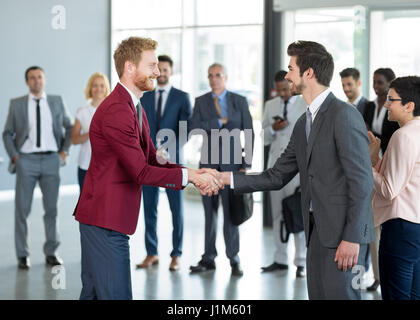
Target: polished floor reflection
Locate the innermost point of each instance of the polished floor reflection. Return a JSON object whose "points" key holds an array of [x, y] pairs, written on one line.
{"points": [[42, 282]]}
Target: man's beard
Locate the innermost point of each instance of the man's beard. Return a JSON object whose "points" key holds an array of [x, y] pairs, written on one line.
{"points": [[350, 95], [142, 82], [298, 88], [162, 80]]}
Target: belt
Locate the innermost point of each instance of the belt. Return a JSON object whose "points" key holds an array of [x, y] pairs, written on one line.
{"points": [[43, 152]]}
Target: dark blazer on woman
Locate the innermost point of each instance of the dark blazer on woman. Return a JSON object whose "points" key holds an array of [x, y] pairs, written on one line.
{"points": [[388, 127]]}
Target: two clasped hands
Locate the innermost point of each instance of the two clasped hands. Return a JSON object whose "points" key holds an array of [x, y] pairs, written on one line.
{"points": [[208, 181]]}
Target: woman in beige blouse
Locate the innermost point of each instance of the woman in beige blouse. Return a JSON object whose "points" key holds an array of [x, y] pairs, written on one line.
{"points": [[396, 198]]}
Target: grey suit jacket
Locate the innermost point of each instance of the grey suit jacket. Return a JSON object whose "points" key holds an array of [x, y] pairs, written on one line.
{"points": [[335, 173], [205, 117], [16, 129]]}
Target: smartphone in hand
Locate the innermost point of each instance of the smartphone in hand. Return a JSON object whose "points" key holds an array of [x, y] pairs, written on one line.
{"points": [[278, 118]]}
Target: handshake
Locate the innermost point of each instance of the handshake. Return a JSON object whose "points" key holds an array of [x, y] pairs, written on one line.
{"points": [[208, 181]]}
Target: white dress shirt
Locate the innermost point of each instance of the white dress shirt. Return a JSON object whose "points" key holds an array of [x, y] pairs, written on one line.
{"points": [[165, 95], [84, 115], [356, 101], [136, 101], [313, 108], [48, 142]]}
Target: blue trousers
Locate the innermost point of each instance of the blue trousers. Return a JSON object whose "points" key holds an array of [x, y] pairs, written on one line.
{"points": [[399, 260], [105, 264], [150, 201]]}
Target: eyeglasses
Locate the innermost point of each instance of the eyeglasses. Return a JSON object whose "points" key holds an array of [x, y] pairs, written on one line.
{"points": [[390, 100], [217, 75]]}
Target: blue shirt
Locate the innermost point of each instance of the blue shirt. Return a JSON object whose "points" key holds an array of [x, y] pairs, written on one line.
{"points": [[223, 105]]}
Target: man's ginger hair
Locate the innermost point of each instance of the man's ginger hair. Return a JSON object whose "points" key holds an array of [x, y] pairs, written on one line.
{"points": [[131, 50]]}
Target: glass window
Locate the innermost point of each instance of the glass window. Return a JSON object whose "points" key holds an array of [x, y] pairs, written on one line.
{"points": [[134, 14], [316, 25], [392, 42], [197, 33]]}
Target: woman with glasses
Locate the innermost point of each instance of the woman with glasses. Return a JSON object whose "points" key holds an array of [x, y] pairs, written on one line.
{"points": [[396, 201], [377, 122]]}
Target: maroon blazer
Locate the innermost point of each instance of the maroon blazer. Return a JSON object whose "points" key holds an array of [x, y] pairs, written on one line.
{"points": [[123, 159]]}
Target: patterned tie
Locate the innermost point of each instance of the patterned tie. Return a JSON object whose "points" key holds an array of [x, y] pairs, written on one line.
{"points": [[308, 123], [139, 114], [38, 124], [285, 110], [217, 105]]}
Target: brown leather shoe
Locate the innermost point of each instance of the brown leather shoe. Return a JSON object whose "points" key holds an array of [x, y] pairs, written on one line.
{"points": [[174, 266], [148, 261]]}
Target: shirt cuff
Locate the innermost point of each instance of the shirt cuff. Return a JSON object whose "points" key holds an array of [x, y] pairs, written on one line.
{"points": [[184, 177], [273, 133], [231, 181], [220, 123]]}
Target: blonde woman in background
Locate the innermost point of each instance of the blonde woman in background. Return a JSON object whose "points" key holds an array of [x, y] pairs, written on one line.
{"points": [[97, 89]]}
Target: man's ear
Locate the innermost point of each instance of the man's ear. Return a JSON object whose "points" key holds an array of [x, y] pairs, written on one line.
{"points": [[359, 83], [309, 73], [129, 66]]}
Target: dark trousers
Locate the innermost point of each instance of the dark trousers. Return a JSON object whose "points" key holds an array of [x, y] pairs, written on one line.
{"points": [[150, 201], [230, 232], [325, 280], [399, 260], [81, 174], [105, 264]]}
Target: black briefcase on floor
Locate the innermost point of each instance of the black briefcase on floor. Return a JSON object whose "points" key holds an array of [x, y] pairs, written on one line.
{"points": [[292, 216], [241, 207]]}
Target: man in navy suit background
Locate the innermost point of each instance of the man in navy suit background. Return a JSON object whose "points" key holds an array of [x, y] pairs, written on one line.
{"points": [[165, 107]]}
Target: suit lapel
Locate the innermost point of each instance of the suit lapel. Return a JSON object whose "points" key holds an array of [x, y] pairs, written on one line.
{"points": [[316, 126], [24, 107], [229, 104]]}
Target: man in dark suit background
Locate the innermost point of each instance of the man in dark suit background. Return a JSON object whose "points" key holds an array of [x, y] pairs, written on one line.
{"points": [[329, 148], [221, 111], [165, 107], [37, 138], [350, 80]]}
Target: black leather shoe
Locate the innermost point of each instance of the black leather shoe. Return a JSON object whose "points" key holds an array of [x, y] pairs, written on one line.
{"points": [[237, 271], [300, 272], [24, 263], [202, 266], [53, 260], [275, 266]]}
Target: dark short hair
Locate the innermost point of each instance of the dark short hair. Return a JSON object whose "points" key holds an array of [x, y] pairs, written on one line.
{"points": [[313, 55], [30, 69], [166, 58], [408, 88], [280, 76], [350, 72], [386, 72]]}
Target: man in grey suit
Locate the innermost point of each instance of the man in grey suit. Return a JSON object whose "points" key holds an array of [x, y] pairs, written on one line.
{"points": [[226, 113], [37, 139], [279, 118], [329, 148]]}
